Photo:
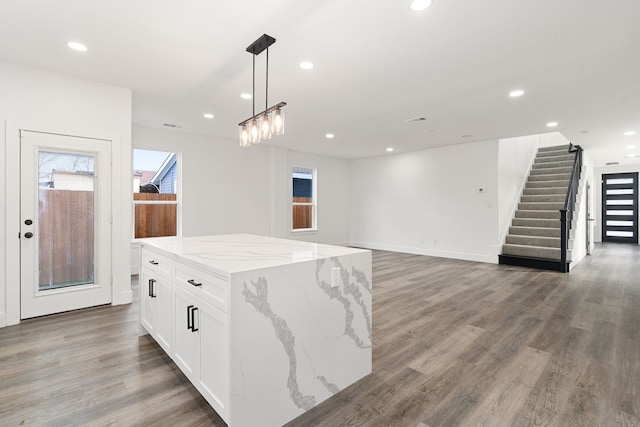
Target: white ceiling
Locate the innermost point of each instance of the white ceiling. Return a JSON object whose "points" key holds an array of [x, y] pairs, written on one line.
{"points": [[376, 65]]}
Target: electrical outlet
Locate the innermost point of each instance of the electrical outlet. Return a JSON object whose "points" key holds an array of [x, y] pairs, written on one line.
{"points": [[335, 277]]}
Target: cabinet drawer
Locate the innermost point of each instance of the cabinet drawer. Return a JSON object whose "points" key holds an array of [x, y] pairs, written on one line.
{"points": [[210, 287], [157, 263]]}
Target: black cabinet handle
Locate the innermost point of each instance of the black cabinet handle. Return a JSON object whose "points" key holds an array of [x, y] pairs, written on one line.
{"points": [[193, 321], [193, 282], [189, 318], [152, 262], [152, 291]]}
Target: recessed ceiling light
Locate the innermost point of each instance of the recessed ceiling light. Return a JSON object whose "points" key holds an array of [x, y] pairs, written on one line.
{"points": [[306, 65], [630, 133], [420, 5], [208, 116], [330, 136], [631, 147], [629, 156], [516, 93], [552, 124], [390, 149], [246, 96], [77, 46]]}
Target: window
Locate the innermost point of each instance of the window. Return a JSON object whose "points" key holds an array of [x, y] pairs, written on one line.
{"points": [[304, 199], [155, 196]]}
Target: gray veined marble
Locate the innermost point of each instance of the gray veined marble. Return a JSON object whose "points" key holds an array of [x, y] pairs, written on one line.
{"points": [[260, 301], [349, 289]]}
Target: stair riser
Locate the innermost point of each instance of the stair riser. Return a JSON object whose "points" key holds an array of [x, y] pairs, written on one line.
{"points": [[543, 198], [544, 191], [539, 222], [552, 159], [537, 241], [551, 165], [538, 214], [550, 177], [549, 253], [553, 206], [551, 171], [534, 231], [563, 148], [548, 184]]}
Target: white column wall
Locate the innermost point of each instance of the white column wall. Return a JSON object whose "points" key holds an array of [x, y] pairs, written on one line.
{"points": [[429, 202], [39, 100]]}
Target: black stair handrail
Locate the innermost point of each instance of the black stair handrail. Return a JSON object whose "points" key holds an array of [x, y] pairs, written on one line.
{"points": [[566, 213]]}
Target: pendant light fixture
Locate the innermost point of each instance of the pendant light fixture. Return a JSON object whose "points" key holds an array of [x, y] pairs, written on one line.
{"points": [[269, 122]]}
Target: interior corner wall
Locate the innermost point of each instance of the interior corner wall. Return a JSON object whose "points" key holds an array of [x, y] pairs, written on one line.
{"points": [[49, 102], [584, 206], [515, 157], [429, 202], [597, 184]]}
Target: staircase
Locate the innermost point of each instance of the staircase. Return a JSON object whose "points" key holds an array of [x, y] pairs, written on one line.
{"points": [[534, 238]]}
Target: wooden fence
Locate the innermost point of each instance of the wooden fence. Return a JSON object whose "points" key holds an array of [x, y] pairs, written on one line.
{"points": [[66, 238], [302, 215], [155, 220]]}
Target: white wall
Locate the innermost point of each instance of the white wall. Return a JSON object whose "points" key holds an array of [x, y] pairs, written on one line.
{"points": [[227, 189], [515, 157], [597, 186], [332, 183], [428, 202], [580, 224], [43, 101]]}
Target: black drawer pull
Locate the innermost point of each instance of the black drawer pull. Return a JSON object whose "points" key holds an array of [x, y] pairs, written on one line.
{"points": [[189, 318], [193, 282], [152, 291], [152, 262], [193, 320]]}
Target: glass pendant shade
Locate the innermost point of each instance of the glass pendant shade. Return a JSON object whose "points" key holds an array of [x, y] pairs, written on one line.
{"points": [[265, 127], [255, 131], [244, 136], [278, 122]]}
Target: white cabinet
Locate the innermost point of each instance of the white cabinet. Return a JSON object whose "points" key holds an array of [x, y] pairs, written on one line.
{"points": [[155, 306], [201, 345]]}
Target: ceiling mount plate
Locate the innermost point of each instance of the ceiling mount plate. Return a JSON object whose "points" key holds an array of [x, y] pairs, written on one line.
{"points": [[261, 44]]}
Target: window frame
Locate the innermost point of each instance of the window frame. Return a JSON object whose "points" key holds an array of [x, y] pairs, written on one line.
{"points": [[313, 203], [177, 190]]}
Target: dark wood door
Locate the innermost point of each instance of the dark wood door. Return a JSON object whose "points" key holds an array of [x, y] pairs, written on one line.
{"points": [[620, 207]]}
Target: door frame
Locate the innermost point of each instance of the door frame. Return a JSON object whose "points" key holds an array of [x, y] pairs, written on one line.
{"points": [[121, 282], [635, 208]]}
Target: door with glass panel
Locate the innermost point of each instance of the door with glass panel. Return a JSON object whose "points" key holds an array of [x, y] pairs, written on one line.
{"points": [[620, 207], [65, 229]]}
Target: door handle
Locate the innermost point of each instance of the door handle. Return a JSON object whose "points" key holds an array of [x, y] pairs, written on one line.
{"points": [[193, 282], [152, 292], [189, 318], [152, 262], [28, 235]]}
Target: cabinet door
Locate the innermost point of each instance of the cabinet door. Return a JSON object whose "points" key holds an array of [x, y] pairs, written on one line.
{"points": [[163, 314], [185, 340], [214, 357], [147, 302]]}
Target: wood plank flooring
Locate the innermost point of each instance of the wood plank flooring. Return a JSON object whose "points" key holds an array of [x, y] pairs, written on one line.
{"points": [[455, 343]]}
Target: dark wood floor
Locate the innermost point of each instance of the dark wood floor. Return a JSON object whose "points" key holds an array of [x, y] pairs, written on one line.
{"points": [[455, 343]]}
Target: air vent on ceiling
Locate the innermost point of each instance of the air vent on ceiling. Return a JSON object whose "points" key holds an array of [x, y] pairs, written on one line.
{"points": [[171, 125], [468, 135], [612, 163], [415, 119]]}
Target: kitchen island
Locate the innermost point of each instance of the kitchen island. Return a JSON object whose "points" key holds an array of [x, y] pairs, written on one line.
{"points": [[264, 328]]}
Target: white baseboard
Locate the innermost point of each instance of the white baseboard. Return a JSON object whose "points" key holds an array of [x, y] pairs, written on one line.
{"points": [[124, 297], [3, 320], [465, 256]]}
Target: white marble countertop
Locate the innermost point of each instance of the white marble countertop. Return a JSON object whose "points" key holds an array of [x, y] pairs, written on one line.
{"points": [[233, 253]]}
